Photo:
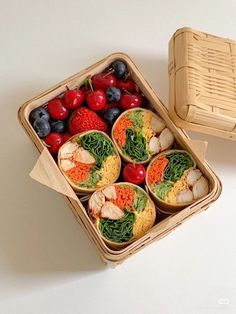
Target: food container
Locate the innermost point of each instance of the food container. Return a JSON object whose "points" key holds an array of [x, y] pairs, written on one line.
{"points": [[48, 173], [202, 76]]}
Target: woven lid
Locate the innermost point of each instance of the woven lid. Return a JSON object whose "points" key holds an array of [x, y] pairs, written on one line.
{"points": [[202, 76]]}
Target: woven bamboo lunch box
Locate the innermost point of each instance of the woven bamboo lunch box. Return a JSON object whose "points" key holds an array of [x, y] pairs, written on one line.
{"points": [[47, 172]]}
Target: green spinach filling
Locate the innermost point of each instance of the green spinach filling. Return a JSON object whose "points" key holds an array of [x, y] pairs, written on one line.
{"points": [[92, 180], [140, 201], [162, 189], [137, 119], [120, 230], [178, 163], [98, 145], [135, 146]]}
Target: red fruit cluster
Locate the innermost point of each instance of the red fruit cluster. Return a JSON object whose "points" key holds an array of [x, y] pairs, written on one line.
{"points": [[134, 173], [129, 101], [84, 119], [73, 98], [54, 141], [103, 81], [81, 106], [127, 85], [96, 100], [57, 110]]}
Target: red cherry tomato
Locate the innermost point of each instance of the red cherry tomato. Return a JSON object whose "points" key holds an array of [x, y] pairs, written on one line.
{"points": [[54, 141], [73, 98], [128, 85], [128, 101], [66, 136], [57, 110], [85, 90], [96, 100], [103, 81], [134, 173]]}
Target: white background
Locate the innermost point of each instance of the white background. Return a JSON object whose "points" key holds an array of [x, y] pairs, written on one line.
{"points": [[47, 264]]}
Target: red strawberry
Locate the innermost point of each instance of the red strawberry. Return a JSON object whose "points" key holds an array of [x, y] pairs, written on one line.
{"points": [[84, 119]]}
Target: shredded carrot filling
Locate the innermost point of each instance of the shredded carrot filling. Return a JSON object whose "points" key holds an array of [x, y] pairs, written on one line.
{"points": [[156, 170], [124, 197], [120, 130], [80, 172]]}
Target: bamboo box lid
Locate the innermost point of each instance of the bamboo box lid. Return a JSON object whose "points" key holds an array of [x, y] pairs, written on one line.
{"points": [[202, 78]]}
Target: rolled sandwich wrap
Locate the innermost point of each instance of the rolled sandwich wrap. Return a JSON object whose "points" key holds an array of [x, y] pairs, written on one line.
{"points": [[139, 134], [122, 212], [174, 181], [89, 161]]}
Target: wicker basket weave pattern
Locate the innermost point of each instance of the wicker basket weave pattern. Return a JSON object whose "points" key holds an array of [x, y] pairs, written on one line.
{"points": [[202, 71]]}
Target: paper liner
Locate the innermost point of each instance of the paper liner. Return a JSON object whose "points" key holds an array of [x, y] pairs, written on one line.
{"points": [[199, 147], [47, 173]]}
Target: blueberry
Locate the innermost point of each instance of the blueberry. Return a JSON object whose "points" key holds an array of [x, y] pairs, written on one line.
{"points": [[58, 126], [39, 112], [111, 115], [113, 94], [119, 68], [42, 127]]}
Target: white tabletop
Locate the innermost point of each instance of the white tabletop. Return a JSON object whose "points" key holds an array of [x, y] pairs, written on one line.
{"points": [[47, 264]]}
